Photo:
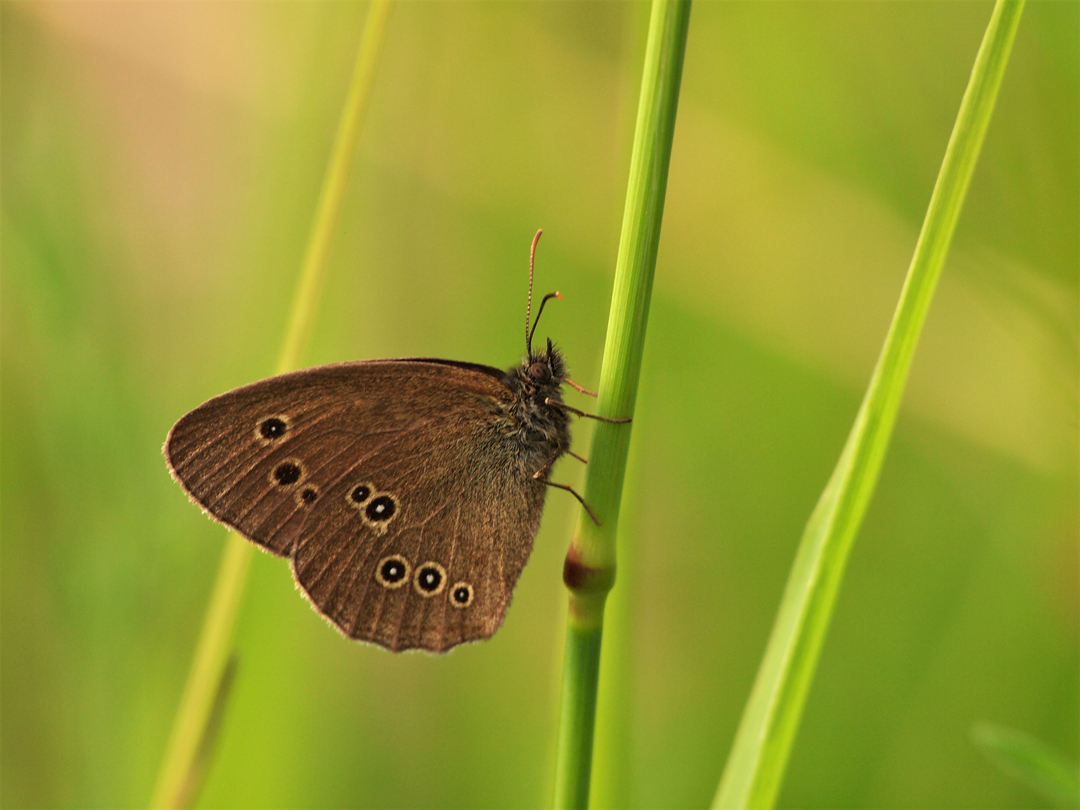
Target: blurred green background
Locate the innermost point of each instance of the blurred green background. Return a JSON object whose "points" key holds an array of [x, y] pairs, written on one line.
{"points": [[160, 165]]}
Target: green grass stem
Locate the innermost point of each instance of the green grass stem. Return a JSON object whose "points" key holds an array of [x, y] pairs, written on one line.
{"points": [[590, 564], [755, 768], [181, 766]]}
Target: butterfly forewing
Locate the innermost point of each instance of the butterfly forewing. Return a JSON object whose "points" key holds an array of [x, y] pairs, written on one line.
{"points": [[219, 454], [391, 484]]}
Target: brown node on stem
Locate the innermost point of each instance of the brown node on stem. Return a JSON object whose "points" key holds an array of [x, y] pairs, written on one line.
{"points": [[580, 577]]}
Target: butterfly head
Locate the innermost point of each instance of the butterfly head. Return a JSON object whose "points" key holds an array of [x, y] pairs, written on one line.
{"points": [[545, 369], [538, 377]]}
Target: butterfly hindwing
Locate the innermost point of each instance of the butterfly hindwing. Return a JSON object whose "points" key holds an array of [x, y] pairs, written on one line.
{"points": [[456, 530]]}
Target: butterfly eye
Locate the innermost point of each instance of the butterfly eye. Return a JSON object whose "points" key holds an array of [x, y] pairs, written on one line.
{"points": [[287, 473], [430, 579], [272, 429], [540, 372], [461, 595], [392, 571]]}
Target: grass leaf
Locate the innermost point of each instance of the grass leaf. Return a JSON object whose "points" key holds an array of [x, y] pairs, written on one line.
{"points": [[755, 768], [1037, 765]]}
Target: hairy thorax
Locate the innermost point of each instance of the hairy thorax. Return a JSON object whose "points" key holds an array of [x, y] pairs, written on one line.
{"points": [[539, 432]]}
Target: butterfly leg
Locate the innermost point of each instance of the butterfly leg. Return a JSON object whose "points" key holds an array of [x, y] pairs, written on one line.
{"points": [[551, 461], [543, 469], [565, 407], [580, 499], [580, 389]]}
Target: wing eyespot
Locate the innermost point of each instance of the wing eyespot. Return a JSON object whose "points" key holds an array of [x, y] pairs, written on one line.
{"points": [[392, 572], [307, 496], [272, 429], [376, 509], [461, 595], [381, 509], [429, 579], [359, 494], [287, 474]]}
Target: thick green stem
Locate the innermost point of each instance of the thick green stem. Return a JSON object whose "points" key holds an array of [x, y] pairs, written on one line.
{"points": [[581, 666], [188, 740], [755, 769], [589, 572]]}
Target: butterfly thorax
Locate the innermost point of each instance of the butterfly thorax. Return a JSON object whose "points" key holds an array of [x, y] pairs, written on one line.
{"points": [[541, 429]]}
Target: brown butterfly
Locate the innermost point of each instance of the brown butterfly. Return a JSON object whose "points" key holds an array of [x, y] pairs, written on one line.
{"points": [[406, 493]]}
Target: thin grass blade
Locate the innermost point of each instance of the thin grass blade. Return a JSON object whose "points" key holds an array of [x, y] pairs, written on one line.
{"points": [[1040, 767], [755, 768]]}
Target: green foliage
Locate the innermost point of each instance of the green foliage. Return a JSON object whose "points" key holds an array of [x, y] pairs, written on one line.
{"points": [[160, 164]]}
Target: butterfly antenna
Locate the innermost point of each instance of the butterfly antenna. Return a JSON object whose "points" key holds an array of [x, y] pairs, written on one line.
{"points": [[528, 308], [540, 312]]}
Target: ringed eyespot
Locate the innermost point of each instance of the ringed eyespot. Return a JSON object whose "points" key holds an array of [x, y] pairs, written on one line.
{"points": [[381, 508], [307, 496], [358, 495], [461, 595], [392, 572], [272, 429], [287, 473], [429, 579]]}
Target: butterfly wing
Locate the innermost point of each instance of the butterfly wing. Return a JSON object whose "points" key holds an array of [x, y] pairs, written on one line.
{"points": [[396, 488]]}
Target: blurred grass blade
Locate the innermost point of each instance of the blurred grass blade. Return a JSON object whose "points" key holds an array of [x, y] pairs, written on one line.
{"points": [[758, 759], [589, 572], [209, 665], [189, 791], [1037, 765], [335, 184]]}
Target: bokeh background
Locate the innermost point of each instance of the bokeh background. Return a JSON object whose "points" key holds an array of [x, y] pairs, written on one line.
{"points": [[160, 165]]}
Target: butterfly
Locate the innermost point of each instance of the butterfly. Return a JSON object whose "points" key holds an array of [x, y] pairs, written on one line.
{"points": [[405, 493]]}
